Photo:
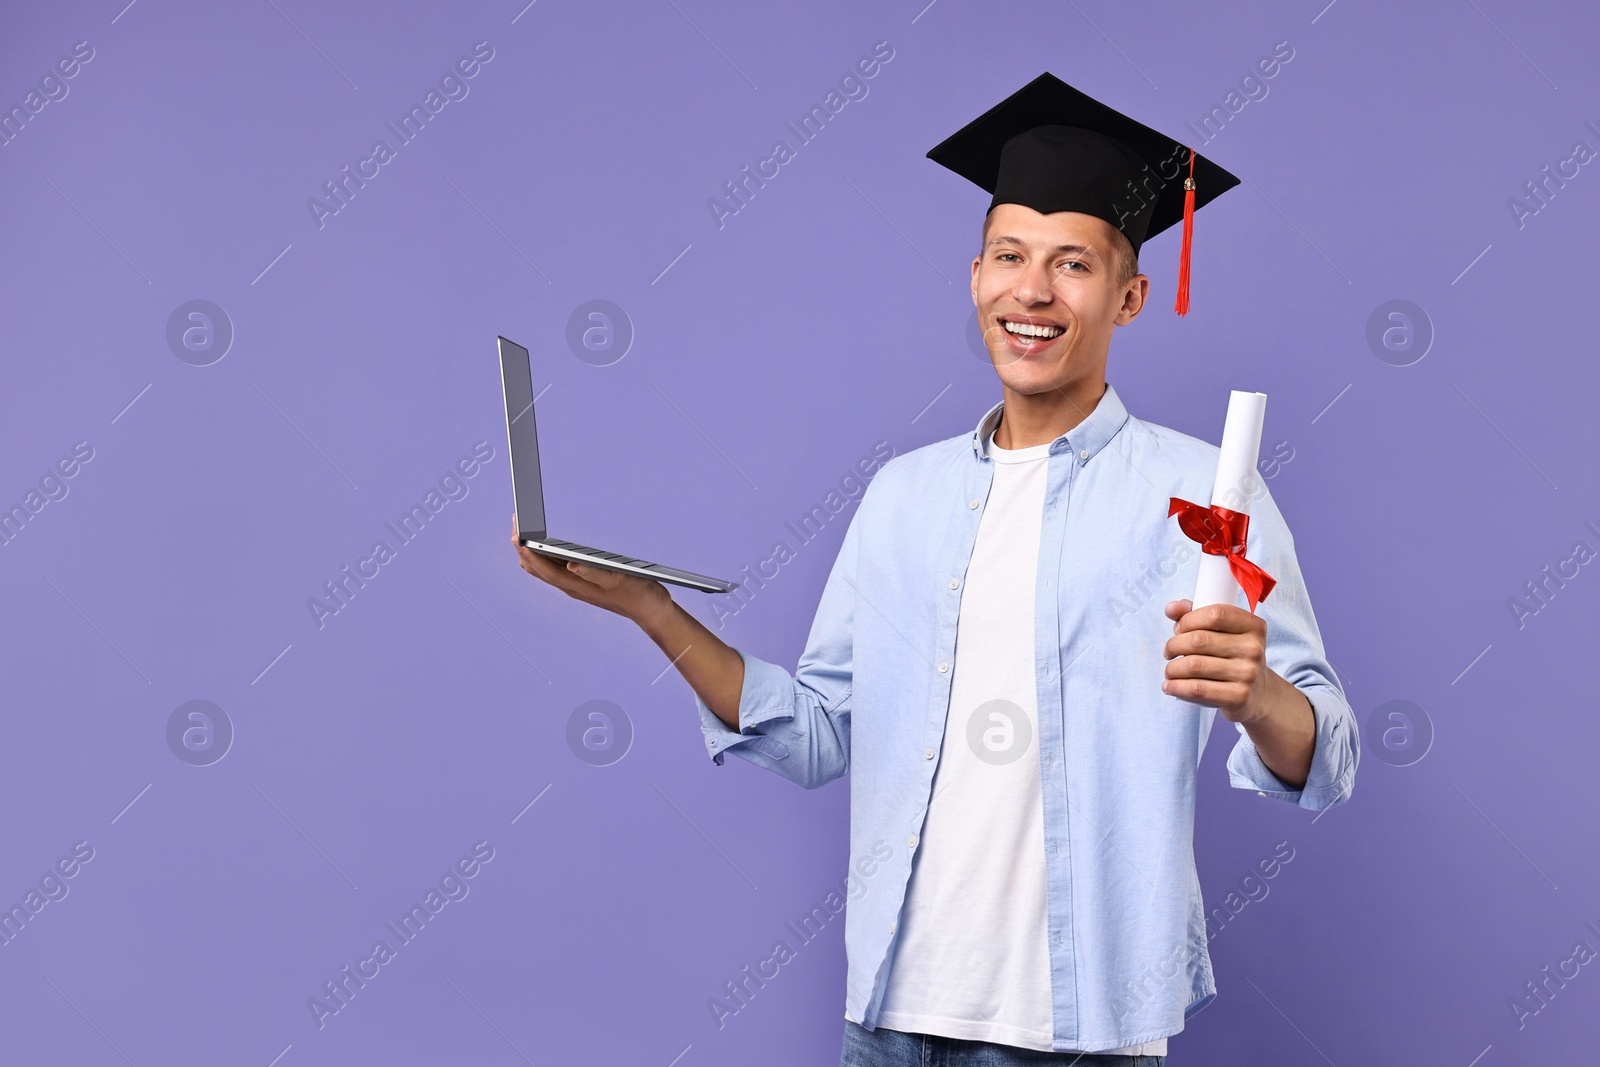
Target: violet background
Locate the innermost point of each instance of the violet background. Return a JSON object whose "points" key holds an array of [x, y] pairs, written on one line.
{"points": [[770, 354]]}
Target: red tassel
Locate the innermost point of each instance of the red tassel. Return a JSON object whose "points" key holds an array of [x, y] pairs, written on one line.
{"points": [[1182, 305]]}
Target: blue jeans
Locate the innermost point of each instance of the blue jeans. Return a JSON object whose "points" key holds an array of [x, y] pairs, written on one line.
{"points": [[891, 1048]]}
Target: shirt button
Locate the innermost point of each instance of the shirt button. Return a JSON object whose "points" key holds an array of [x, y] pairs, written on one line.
{"points": [[944, 668], [911, 842], [973, 504], [1084, 454], [1259, 793], [927, 753], [955, 583], [891, 928]]}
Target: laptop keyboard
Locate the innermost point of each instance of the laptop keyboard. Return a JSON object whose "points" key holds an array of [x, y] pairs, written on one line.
{"points": [[614, 557]]}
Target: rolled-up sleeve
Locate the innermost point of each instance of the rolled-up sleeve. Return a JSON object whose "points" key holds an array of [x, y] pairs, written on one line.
{"points": [[799, 725], [1295, 652]]}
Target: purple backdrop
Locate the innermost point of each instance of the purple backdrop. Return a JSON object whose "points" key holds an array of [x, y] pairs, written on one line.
{"points": [[189, 475]]}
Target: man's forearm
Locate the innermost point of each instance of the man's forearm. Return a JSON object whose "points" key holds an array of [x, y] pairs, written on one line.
{"points": [[1285, 733], [713, 669]]}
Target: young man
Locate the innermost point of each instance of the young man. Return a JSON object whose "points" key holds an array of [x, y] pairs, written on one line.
{"points": [[992, 661]]}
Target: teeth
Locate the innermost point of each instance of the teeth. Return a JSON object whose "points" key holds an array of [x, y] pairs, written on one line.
{"points": [[1024, 329]]}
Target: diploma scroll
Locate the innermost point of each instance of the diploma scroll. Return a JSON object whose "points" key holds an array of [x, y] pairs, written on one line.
{"points": [[1236, 483]]}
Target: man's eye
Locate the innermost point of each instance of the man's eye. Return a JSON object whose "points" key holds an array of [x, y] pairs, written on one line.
{"points": [[1075, 263], [1007, 255]]}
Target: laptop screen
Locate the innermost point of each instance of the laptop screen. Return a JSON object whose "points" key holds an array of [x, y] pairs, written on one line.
{"points": [[522, 439]]}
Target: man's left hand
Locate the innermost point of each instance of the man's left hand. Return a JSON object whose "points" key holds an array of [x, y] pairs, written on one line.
{"points": [[1217, 656]]}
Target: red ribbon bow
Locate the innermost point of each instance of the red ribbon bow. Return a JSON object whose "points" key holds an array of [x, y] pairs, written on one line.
{"points": [[1221, 532]]}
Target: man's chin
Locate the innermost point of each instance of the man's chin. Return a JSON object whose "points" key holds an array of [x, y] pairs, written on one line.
{"points": [[1028, 377]]}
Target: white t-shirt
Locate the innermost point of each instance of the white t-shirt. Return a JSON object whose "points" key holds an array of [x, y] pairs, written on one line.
{"points": [[972, 960]]}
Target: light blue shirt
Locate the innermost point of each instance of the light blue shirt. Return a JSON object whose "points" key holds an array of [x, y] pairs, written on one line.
{"points": [[1118, 758]]}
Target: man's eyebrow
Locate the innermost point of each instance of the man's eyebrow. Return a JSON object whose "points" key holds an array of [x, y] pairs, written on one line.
{"points": [[1071, 249]]}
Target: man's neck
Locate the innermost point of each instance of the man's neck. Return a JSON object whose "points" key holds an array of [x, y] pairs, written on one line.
{"points": [[1039, 418]]}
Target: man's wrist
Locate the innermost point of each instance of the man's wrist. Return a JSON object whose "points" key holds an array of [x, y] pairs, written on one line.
{"points": [[1284, 732], [654, 611], [1280, 694]]}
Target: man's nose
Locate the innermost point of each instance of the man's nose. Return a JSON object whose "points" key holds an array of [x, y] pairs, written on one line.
{"points": [[1033, 287]]}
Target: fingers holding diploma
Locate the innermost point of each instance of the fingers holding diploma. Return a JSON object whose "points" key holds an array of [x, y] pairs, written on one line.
{"points": [[1217, 657]]}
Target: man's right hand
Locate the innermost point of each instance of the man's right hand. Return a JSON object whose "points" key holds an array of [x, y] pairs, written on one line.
{"points": [[625, 594], [713, 669]]}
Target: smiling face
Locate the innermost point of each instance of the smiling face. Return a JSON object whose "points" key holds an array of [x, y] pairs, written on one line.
{"points": [[1048, 295]]}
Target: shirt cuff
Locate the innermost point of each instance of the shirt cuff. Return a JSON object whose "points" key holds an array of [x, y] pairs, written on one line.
{"points": [[767, 694], [1333, 760]]}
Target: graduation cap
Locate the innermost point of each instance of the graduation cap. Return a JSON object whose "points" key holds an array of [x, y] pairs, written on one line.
{"points": [[1051, 147]]}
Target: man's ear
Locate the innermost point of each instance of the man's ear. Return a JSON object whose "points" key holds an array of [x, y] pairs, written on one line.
{"points": [[977, 261], [1133, 299]]}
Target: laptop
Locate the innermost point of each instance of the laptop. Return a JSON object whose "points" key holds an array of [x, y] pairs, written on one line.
{"points": [[516, 377]]}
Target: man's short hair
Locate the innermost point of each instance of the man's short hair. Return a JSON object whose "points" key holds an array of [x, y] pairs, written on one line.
{"points": [[1127, 259]]}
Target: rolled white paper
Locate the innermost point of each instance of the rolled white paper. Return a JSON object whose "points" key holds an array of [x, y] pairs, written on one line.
{"points": [[1237, 482]]}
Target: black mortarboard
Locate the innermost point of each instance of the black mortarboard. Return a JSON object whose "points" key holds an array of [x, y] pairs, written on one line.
{"points": [[1051, 147]]}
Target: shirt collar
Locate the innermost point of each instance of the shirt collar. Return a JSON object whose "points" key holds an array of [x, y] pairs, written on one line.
{"points": [[1083, 440]]}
